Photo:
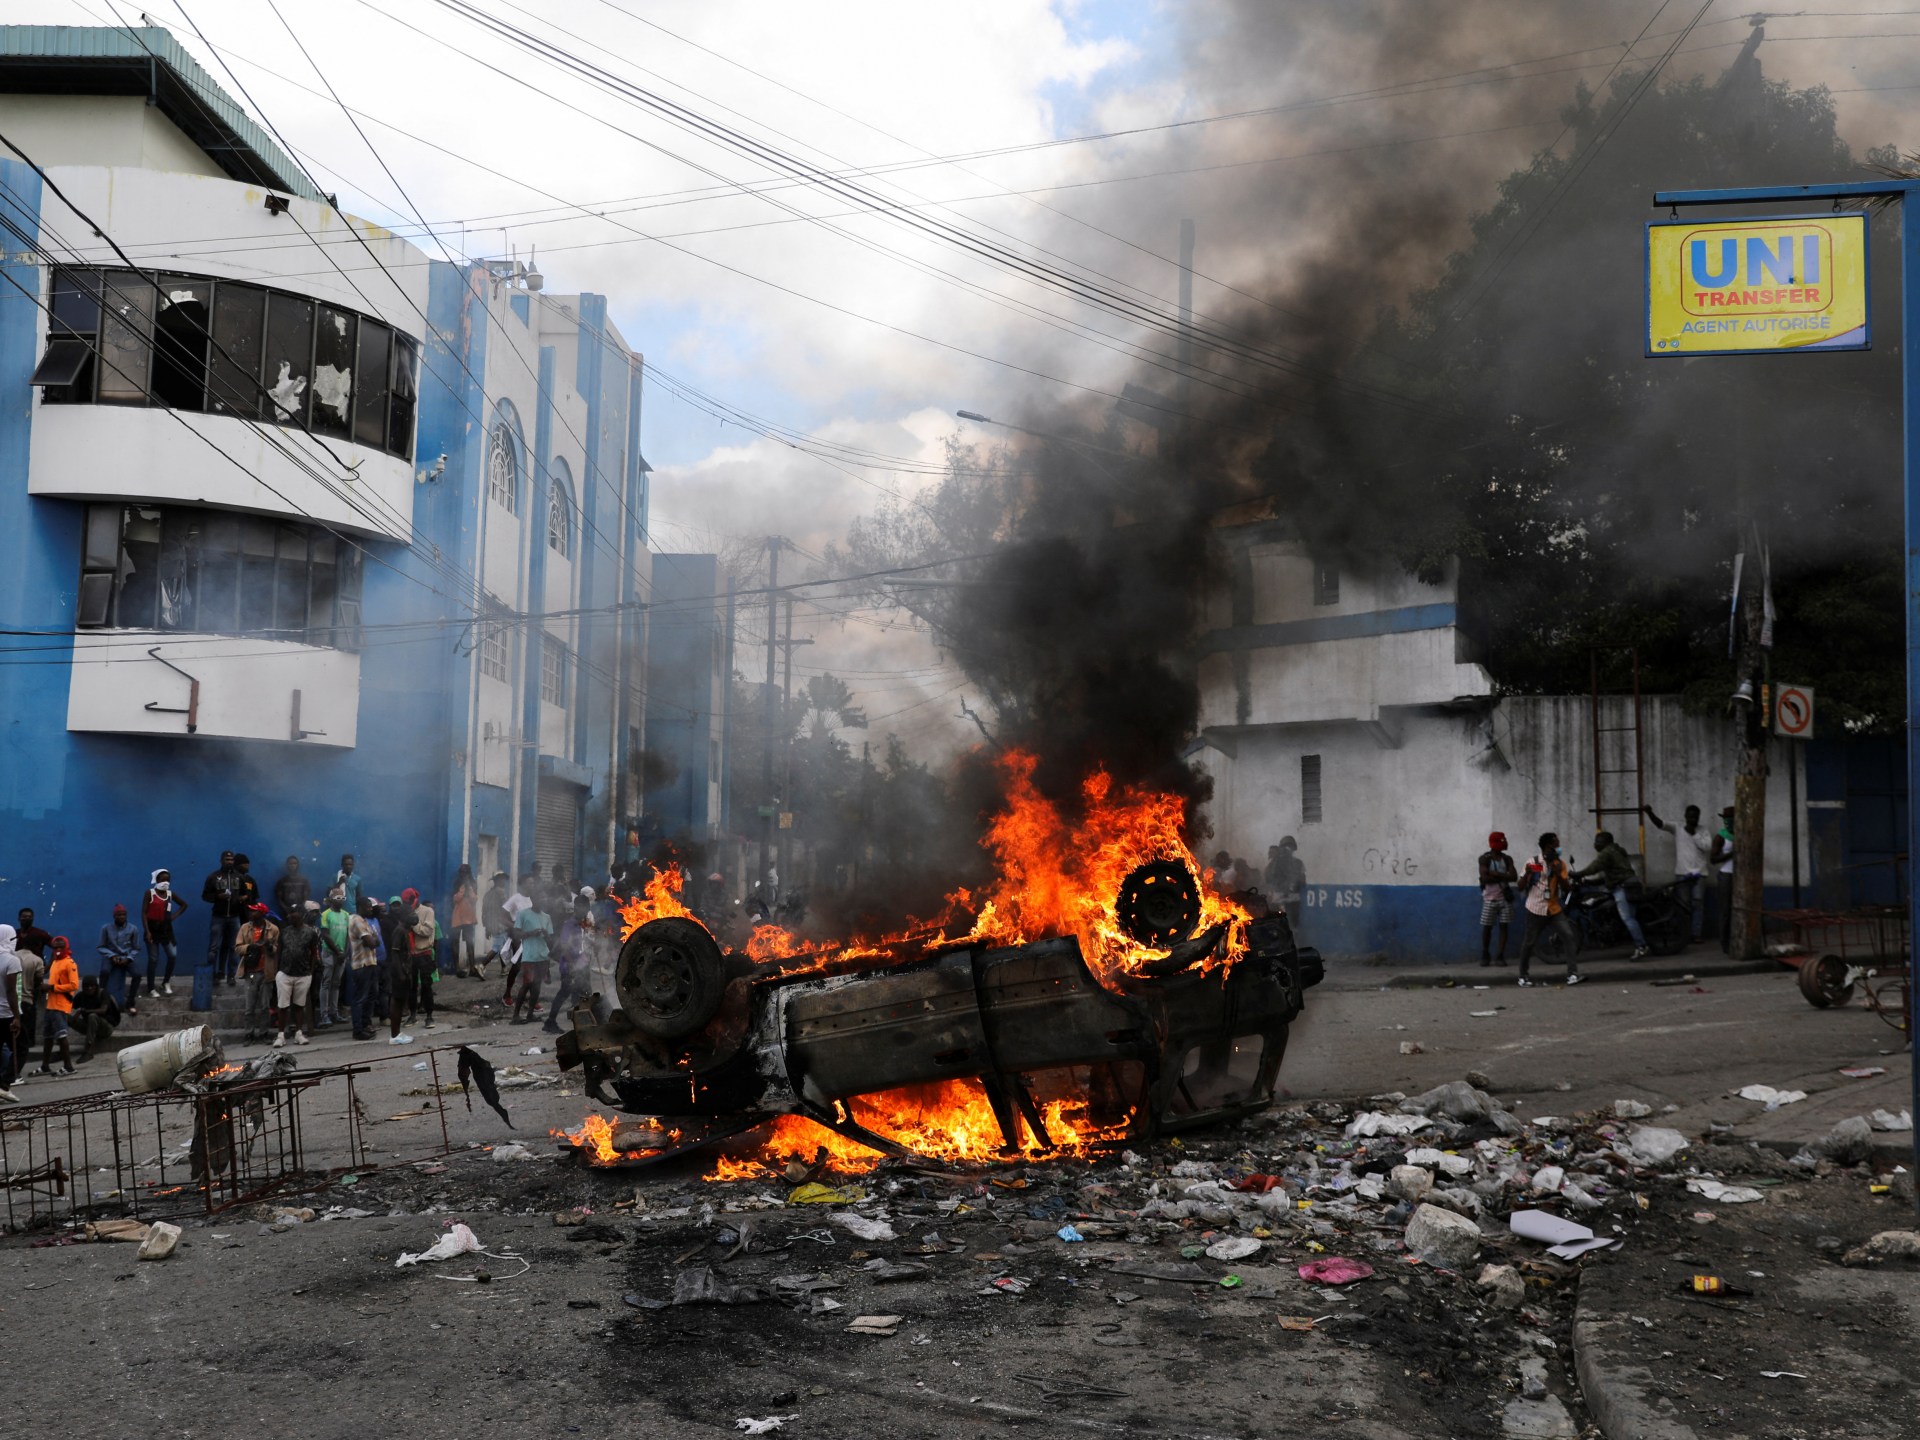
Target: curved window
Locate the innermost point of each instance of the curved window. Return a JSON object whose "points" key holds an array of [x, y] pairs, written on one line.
{"points": [[503, 461], [560, 512], [176, 567], [188, 342]]}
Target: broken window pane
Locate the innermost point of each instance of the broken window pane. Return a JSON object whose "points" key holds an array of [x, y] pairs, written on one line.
{"points": [[406, 363], [239, 336], [140, 590], [180, 323], [333, 360], [370, 395], [289, 368], [126, 338]]}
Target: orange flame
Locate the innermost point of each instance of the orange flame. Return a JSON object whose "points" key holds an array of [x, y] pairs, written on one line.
{"points": [[658, 901], [1062, 877], [600, 1137]]}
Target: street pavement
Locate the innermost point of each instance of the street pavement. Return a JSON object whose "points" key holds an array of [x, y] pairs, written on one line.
{"points": [[313, 1321]]}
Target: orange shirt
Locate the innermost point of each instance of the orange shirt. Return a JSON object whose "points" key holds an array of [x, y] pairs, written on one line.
{"points": [[63, 983]]}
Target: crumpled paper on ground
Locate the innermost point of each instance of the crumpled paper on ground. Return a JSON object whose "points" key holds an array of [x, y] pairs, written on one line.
{"points": [[1724, 1193], [458, 1240], [1768, 1096]]}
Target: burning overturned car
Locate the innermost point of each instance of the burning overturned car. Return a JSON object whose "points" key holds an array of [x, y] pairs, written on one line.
{"points": [[1099, 992]]}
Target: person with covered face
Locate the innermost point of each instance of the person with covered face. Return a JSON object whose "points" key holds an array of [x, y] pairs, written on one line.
{"points": [[1547, 882], [1614, 866], [63, 983], [158, 906], [1498, 876], [225, 893]]}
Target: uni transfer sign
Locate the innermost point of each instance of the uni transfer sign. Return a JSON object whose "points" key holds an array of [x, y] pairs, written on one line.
{"points": [[1743, 287]]}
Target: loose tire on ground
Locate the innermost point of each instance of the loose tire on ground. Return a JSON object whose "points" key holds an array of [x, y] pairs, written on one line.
{"points": [[1824, 981], [670, 977]]}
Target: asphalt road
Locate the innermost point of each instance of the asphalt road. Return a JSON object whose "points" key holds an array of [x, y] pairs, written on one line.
{"points": [[254, 1329]]}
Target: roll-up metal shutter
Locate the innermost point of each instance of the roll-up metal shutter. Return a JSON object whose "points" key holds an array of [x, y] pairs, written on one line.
{"points": [[556, 825]]}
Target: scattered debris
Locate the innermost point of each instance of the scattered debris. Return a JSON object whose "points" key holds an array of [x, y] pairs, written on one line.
{"points": [[1887, 1245], [1504, 1288], [862, 1227], [1235, 1247], [161, 1240], [1443, 1237], [458, 1240], [882, 1325], [1336, 1270], [513, 1150], [814, 1193], [1863, 1072], [1887, 1120], [698, 1285], [1773, 1099], [763, 1427], [1631, 1109], [1847, 1143], [1565, 1239], [1724, 1193]]}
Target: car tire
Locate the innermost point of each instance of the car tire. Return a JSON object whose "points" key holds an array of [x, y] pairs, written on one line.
{"points": [[1823, 980], [670, 976]]}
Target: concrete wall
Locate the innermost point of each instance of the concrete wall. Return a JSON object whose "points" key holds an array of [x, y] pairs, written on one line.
{"points": [[101, 130], [1391, 865]]}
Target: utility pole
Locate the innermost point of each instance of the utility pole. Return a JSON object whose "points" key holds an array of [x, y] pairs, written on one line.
{"points": [[767, 803], [786, 781], [726, 717], [1750, 774]]}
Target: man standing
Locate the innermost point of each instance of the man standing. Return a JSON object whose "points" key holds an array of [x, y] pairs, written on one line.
{"points": [[1547, 883], [494, 920], [299, 963], [423, 937], [119, 948], [31, 937], [292, 890], [63, 983], [1692, 859], [225, 893], [1614, 866], [363, 969], [348, 883], [1498, 876], [258, 944], [334, 924], [534, 931], [573, 956], [464, 918], [158, 906], [1286, 877], [1721, 857], [9, 1005]]}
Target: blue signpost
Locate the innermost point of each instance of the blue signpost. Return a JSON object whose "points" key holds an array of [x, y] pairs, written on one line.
{"points": [[1907, 192]]}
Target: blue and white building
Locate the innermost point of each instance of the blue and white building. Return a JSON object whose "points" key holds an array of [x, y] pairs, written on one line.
{"points": [[309, 543], [1346, 706]]}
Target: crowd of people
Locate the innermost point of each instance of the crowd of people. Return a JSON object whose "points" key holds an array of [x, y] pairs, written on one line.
{"points": [[306, 962], [1544, 886]]}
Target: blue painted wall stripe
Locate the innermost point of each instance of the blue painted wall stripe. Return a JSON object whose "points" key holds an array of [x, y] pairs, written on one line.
{"points": [[1331, 627]]}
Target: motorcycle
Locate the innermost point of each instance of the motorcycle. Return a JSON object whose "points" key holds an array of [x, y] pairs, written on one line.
{"points": [[1664, 913]]}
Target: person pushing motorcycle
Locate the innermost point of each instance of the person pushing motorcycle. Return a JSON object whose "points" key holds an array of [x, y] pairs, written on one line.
{"points": [[1614, 866]]}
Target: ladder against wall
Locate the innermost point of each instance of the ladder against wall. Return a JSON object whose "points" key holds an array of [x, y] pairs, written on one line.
{"points": [[1619, 764]]}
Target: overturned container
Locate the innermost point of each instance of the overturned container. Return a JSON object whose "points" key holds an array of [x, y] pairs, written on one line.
{"points": [[162, 1063]]}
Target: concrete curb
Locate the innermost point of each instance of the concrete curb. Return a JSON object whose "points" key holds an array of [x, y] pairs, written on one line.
{"points": [[1612, 1390], [1611, 968]]}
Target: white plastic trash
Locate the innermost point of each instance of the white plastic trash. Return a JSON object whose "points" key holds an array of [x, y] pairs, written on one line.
{"points": [[152, 1064]]}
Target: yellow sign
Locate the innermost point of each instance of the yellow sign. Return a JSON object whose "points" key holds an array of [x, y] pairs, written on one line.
{"points": [[1744, 287]]}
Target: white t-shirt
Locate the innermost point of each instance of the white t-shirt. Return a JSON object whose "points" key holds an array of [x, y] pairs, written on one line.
{"points": [[9, 965], [1692, 854]]}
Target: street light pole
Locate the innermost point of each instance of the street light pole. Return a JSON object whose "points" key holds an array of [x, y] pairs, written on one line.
{"points": [[1907, 192]]}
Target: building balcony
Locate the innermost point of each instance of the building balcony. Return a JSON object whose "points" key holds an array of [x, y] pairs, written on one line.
{"points": [[234, 687]]}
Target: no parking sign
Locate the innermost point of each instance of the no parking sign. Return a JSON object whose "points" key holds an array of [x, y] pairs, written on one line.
{"points": [[1793, 712]]}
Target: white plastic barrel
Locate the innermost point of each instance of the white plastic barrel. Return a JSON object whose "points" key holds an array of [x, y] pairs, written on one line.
{"points": [[152, 1064]]}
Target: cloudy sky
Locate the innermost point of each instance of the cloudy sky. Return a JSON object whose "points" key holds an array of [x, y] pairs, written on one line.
{"points": [[772, 306]]}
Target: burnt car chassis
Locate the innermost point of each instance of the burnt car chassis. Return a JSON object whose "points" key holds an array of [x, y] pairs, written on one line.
{"points": [[710, 1045]]}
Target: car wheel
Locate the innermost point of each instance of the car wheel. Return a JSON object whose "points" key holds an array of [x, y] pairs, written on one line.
{"points": [[670, 977], [1824, 981]]}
